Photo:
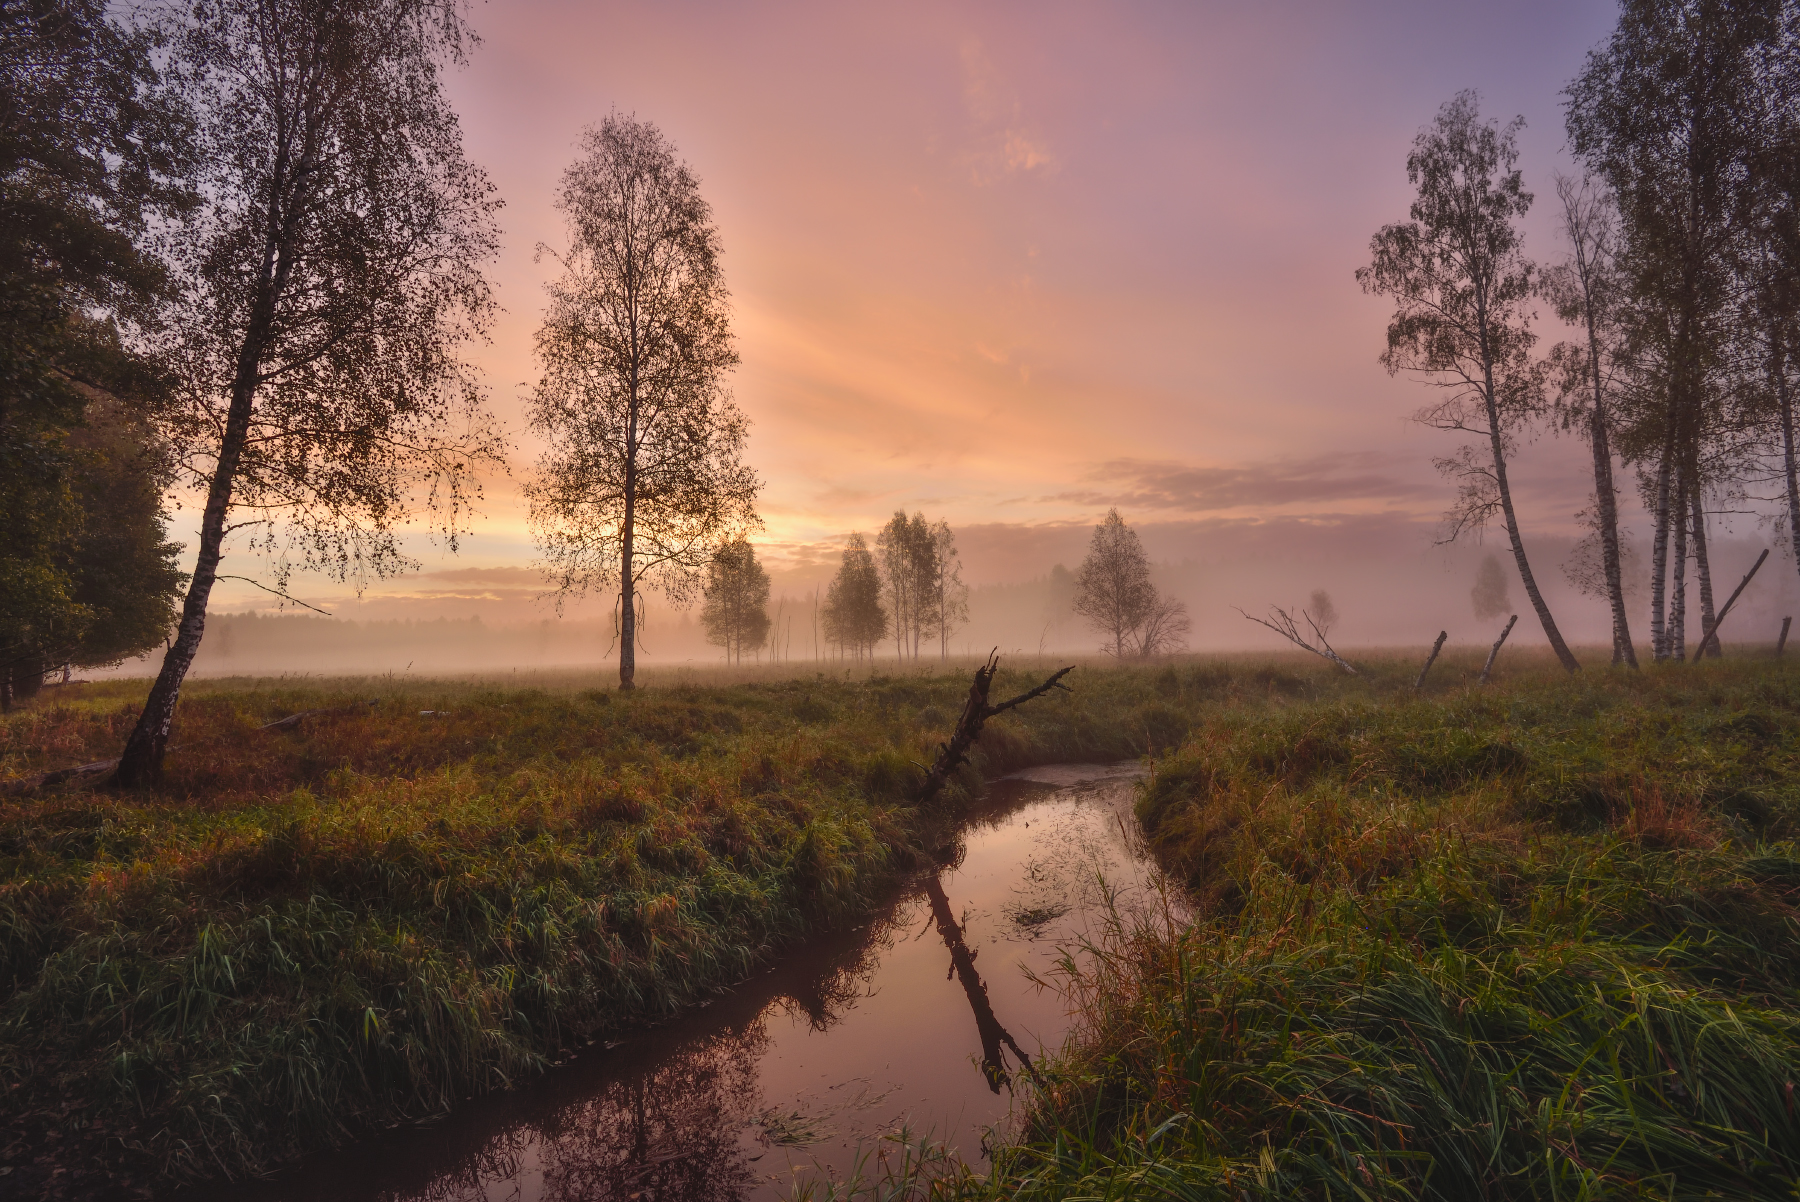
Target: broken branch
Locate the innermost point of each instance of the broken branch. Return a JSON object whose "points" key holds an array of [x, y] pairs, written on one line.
{"points": [[1285, 626], [1430, 659], [1488, 668], [1712, 632], [976, 711]]}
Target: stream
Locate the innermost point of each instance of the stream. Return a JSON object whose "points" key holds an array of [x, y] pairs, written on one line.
{"points": [[923, 1017]]}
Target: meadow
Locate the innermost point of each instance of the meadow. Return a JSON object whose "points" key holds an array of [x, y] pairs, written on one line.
{"points": [[1537, 940], [428, 889], [1533, 939]]}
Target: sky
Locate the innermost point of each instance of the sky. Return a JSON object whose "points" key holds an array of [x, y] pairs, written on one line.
{"points": [[1014, 264]]}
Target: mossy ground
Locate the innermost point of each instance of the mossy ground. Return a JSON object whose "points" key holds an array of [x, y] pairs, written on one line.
{"points": [[303, 933], [1537, 940]]}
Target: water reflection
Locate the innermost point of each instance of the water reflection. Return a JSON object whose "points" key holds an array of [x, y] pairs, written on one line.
{"points": [[792, 1072], [962, 963]]}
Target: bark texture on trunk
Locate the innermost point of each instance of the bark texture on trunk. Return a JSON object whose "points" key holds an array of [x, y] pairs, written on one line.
{"points": [[628, 555], [1607, 502], [1563, 654], [1703, 568], [1659, 561], [1785, 401], [141, 761], [1678, 598]]}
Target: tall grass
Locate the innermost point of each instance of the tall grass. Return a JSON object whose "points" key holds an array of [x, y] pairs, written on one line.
{"points": [[1538, 941], [303, 933]]}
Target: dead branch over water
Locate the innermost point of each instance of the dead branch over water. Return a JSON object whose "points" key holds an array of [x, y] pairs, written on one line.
{"points": [[976, 711]]}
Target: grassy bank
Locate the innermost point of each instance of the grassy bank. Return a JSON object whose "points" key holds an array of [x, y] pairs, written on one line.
{"points": [[1534, 941], [308, 931]]}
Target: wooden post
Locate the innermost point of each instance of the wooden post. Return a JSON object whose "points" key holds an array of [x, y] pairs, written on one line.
{"points": [[1430, 659], [1781, 643], [1712, 632], [1488, 668]]}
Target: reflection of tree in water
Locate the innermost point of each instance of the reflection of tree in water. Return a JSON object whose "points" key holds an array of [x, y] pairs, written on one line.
{"points": [[994, 1037], [668, 1133], [831, 993]]}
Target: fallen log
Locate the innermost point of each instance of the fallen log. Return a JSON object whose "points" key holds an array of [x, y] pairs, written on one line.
{"points": [[1488, 668], [42, 780], [1712, 632], [1430, 659], [975, 712]]}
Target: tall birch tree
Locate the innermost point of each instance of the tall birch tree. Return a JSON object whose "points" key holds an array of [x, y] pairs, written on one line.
{"points": [[1660, 110], [854, 617], [642, 474], [1462, 288], [329, 278], [1585, 291]]}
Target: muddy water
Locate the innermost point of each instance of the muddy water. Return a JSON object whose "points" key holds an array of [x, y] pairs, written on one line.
{"points": [[923, 1017]]}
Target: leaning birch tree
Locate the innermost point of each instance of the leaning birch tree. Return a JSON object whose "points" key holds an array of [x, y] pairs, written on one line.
{"points": [[328, 278], [1462, 290], [642, 473]]}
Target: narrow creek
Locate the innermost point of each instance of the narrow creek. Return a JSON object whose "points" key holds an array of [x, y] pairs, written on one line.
{"points": [[922, 1017]]}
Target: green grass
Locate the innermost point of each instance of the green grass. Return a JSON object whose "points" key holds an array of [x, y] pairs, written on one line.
{"points": [[303, 934], [1534, 941]]}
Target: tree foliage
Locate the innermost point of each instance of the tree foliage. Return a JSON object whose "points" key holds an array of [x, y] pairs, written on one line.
{"points": [[330, 278], [921, 576], [1113, 591], [93, 150], [736, 613], [854, 618], [1462, 289], [642, 475]]}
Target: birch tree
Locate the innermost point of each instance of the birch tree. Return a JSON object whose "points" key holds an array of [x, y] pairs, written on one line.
{"points": [[642, 474], [1585, 291], [854, 618], [736, 613], [1112, 587], [909, 575], [1462, 288], [1661, 111], [330, 277], [949, 595]]}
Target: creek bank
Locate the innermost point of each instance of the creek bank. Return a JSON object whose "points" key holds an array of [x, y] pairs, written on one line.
{"points": [[924, 1016], [307, 936]]}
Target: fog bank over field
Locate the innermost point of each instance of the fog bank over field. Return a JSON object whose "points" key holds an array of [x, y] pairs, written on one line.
{"points": [[1390, 584]]}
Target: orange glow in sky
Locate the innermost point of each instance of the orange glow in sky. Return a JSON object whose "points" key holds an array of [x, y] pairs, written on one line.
{"points": [[1012, 264]]}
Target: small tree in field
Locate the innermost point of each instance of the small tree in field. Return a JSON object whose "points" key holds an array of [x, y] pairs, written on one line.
{"points": [[1112, 588], [854, 617], [736, 613], [1489, 595], [1462, 290], [949, 597], [643, 471], [329, 277]]}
